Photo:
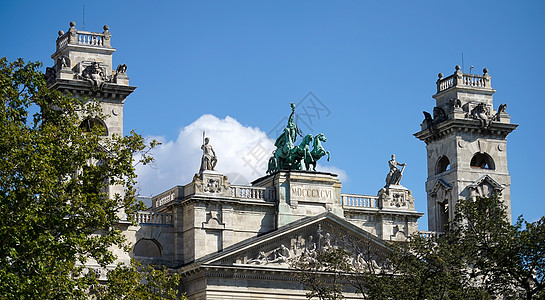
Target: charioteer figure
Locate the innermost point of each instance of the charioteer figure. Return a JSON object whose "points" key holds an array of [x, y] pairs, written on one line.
{"points": [[289, 156]]}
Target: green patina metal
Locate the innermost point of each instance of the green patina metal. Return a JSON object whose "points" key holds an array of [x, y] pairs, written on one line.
{"points": [[287, 156]]}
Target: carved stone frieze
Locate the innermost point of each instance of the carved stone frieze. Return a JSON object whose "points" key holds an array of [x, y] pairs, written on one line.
{"points": [[212, 186], [307, 246], [211, 183]]}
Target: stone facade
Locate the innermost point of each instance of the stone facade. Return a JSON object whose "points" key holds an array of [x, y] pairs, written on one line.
{"points": [[209, 214], [466, 143], [234, 242]]}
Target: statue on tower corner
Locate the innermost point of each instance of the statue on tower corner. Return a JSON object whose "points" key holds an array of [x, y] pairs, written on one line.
{"points": [[209, 159], [394, 176], [288, 156]]}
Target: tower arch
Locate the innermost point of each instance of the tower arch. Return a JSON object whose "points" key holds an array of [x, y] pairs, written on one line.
{"points": [[147, 248], [442, 165], [482, 161], [89, 124]]}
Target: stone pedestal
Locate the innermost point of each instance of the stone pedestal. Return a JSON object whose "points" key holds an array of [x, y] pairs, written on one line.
{"points": [[65, 74], [303, 193], [396, 197], [122, 79], [209, 183], [398, 218]]}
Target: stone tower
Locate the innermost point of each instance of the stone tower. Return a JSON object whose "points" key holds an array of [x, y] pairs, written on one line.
{"points": [[466, 145], [83, 68]]}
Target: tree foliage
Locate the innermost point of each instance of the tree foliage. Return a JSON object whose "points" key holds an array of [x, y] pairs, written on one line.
{"points": [[55, 212], [483, 256], [505, 259], [125, 282]]}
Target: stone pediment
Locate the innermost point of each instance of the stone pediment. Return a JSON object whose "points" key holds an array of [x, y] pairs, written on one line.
{"points": [[301, 239], [440, 185], [485, 186], [486, 178]]}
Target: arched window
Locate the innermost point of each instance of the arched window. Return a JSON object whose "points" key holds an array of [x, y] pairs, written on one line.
{"points": [[443, 164], [482, 161], [147, 247], [91, 123]]}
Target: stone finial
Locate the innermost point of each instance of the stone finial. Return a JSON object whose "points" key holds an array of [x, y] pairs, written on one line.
{"points": [[440, 75], [457, 67], [485, 71], [61, 33], [107, 36], [72, 38]]}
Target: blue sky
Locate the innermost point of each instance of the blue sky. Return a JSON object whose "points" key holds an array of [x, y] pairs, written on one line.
{"points": [[372, 64]]}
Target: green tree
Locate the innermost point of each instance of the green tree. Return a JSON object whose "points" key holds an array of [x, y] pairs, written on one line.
{"points": [[506, 259], [55, 213], [482, 257], [138, 282]]}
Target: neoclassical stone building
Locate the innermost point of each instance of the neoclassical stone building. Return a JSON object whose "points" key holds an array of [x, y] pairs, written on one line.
{"points": [[236, 242]]}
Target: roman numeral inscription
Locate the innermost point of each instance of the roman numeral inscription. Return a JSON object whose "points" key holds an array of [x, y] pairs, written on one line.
{"points": [[311, 193]]}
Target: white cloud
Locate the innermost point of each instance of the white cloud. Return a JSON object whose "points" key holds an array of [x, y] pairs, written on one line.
{"points": [[342, 176], [243, 153]]}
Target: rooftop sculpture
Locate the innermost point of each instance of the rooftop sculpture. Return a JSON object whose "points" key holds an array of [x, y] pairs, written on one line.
{"points": [[394, 175], [209, 158], [287, 156]]}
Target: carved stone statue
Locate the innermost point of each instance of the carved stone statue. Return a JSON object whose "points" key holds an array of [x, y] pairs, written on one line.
{"points": [[502, 108], [281, 254], [481, 113], [209, 159], [456, 103], [394, 176], [64, 62], [94, 75], [261, 259], [121, 69]]}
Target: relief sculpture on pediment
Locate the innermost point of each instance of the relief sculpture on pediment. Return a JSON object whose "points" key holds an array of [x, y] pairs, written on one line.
{"points": [[310, 247]]}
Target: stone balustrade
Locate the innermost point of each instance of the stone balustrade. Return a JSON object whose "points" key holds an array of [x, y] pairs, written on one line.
{"points": [[365, 201], [461, 79], [255, 193], [146, 217], [90, 38], [84, 38], [474, 80], [429, 234], [445, 83], [62, 41]]}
